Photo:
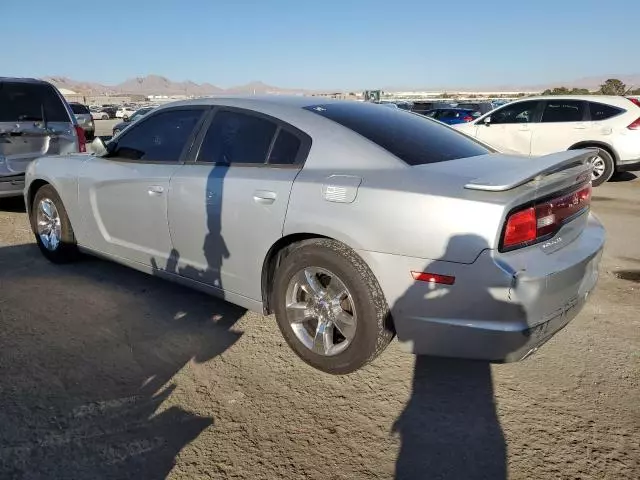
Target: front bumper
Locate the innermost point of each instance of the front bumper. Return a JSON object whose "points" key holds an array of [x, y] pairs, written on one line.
{"points": [[494, 311], [12, 186]]}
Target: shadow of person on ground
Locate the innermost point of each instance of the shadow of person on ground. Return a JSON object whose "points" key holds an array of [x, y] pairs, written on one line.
{"points": [[449, 428], [87, 357]]}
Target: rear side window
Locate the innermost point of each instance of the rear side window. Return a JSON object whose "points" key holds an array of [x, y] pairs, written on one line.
{"points": [[160, 138], [78, 108], [600, 111], [285, 149], [563, 111], [413, 138], [22, 101], [235, 137]]}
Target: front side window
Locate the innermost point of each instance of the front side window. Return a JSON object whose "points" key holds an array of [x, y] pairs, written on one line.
{"points": [[601, 111], [160, 138], [521, 112], [563, 111], [235, 137]]}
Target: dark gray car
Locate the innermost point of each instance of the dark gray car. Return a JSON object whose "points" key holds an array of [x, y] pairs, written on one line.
{"points": [[35, 120], [84, 119]]}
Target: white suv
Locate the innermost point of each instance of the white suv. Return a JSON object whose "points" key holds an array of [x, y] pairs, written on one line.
{"points": [[542, 125]]}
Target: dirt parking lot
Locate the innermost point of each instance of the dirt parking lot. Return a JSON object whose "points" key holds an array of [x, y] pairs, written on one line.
{"points": [[108, 373]]}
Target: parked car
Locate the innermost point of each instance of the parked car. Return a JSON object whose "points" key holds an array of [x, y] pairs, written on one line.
{"points": [[84, 119], [35, 120], [482, 107], [362, 222], [97, 113], [452, 116], [421, 107], [125, 112], [541, 125], [137, 115], [110, 111]]}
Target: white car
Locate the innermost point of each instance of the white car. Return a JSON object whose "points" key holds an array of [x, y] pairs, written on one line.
{"points": [[125, 112], [542, 125]]}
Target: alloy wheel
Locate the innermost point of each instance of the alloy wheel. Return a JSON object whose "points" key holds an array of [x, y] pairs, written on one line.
{"points": [[321, 311]]}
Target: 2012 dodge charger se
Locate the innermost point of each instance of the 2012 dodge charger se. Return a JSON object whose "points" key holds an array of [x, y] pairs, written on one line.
{"points": [[351, 222]]}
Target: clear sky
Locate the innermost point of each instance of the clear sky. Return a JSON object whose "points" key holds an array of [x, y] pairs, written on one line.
{"points": [[329, 44]]}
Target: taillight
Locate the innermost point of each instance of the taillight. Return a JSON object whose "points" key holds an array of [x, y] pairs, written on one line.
{"points": [[635, 125], [82, 140], [543, 220], [634, 100], [467, 119]]}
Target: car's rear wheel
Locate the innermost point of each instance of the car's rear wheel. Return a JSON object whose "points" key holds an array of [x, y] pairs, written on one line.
{"points": [[603, 167], [330, 308], [105, 117], [52, 228]]}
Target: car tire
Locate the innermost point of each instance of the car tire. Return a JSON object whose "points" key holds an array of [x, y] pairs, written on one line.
{"points": [[59, 246], [604, 167], [105, 117], [115, 132], [125, 118], [369, 329]]}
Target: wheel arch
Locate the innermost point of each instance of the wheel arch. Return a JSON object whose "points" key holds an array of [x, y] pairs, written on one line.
{"points": [[34, 186], [271, 261], [594, 143]]}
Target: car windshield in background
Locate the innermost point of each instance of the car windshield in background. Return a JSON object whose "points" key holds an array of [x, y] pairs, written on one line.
{"points": [[78, 108], [413, 138], [24, 102]]}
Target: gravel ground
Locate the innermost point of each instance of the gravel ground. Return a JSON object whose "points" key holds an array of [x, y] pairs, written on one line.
{"points": [[108, 373]]}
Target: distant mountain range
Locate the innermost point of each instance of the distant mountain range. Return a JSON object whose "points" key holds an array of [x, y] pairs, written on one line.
{"points": [[158, 85]]}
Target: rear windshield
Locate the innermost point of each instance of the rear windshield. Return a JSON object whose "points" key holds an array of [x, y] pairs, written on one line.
{"points": [[413, 138], [78, 108], [28, 101]]}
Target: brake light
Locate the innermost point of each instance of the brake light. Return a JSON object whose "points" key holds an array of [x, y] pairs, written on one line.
{"points": [[467, 119], [634, 100], [82, 140], [541, 221], [635, 125]]}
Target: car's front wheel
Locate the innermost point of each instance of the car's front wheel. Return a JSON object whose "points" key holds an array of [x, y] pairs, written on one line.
{"points": [[105, 117], [330, 308], [51, 226]]}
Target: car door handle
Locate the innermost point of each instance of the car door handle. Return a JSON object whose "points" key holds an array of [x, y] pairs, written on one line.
{"points": [[156, 190], [579, 126], [264, 197]]}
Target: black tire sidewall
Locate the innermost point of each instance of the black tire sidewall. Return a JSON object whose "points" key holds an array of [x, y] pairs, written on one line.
{"points": [[609, 169], [67, 251], [372, 330]]}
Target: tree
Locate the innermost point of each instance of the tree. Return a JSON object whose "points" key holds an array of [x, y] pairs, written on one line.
{"points": [[613, 86], [636, 91]]}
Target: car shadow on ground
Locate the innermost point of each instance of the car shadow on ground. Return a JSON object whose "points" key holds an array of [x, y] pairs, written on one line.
{"points": [[623, 177], [87, 356], [12, 204]]}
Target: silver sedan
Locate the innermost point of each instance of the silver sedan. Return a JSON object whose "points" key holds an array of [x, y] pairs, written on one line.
{"points": [[352, 223]]}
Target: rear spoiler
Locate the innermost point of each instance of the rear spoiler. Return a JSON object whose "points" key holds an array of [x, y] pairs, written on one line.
{"points": [[531, 169]]}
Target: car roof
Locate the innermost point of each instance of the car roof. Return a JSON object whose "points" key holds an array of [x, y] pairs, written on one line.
{"points": [[609, 99], [24, 80], [293, 101]]}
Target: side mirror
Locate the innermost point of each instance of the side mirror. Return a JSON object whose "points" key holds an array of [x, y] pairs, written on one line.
{"points": [[98, 147], [487, 121]]}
